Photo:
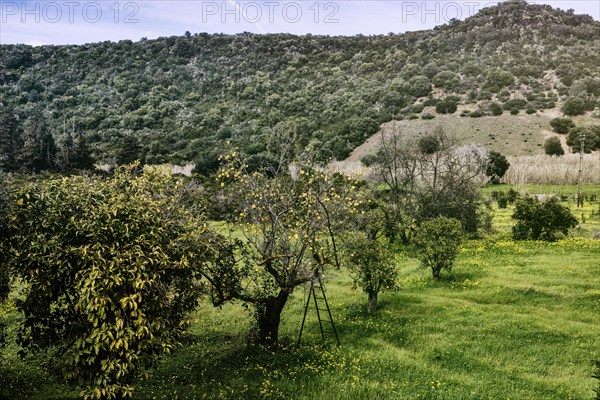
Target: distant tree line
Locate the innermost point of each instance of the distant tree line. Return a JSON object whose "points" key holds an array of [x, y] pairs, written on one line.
{"points": [[28, 146]]}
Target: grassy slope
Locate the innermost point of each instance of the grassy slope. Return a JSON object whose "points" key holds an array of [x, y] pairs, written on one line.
{"points": [[511, 135], [514, 321]]}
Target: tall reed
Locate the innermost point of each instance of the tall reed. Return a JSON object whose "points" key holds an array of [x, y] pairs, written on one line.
{"points": [[553, 170]]}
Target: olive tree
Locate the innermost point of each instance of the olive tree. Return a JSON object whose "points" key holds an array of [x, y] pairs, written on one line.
{"points": [[287, 220], [437, 242], [110, 271]]}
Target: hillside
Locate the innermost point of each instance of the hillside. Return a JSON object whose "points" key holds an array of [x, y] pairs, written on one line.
{"points": [[183, 97]]}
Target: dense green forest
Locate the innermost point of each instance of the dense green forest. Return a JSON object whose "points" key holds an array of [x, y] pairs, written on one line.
{"points": [[178, 99]]}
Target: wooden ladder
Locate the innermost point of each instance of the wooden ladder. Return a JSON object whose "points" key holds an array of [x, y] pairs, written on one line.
{"points": [[317, 292]]}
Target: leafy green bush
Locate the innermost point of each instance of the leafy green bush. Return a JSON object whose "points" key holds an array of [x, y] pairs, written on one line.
{"points": [[475, 114], [503, 96], [512, 195], [4, 273], [428, 144], [502, 200], [416, 108], [562, 125], [515, 104], [437, 242], [553, 147], [368, 159], [427, 116], [484, 95], [573, 106], [498, 79], [496, 109], [547, 221], [447, 80], [446, 106]]}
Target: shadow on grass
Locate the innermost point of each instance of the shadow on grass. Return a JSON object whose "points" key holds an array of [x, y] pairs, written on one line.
{"points": [[32, 380], [234, 370]]}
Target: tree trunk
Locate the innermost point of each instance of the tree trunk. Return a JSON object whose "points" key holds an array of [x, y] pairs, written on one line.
{"points": [[372, 301], [269, 317], [437, 272]]}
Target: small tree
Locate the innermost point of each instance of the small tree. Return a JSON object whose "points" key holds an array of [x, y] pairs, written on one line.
{"points": [[552, 147], [110, 270], [562, 125], [373, 267], [497, 166], [541, 221], [437, 242], [371, 261]]}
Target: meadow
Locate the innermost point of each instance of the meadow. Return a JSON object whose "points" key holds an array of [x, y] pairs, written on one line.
{"points": [[514, 320]]}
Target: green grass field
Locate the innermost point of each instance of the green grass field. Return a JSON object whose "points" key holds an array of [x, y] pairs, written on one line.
{"points": [[515, 320]]}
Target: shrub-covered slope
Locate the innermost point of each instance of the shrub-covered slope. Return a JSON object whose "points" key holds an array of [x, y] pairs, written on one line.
{"points": [[184, 97]]}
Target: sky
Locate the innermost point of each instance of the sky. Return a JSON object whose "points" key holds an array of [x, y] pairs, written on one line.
{"points": [[78, 22]]}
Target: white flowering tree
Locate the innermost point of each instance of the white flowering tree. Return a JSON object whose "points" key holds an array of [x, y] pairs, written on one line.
{"points": [[427, 176]]}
